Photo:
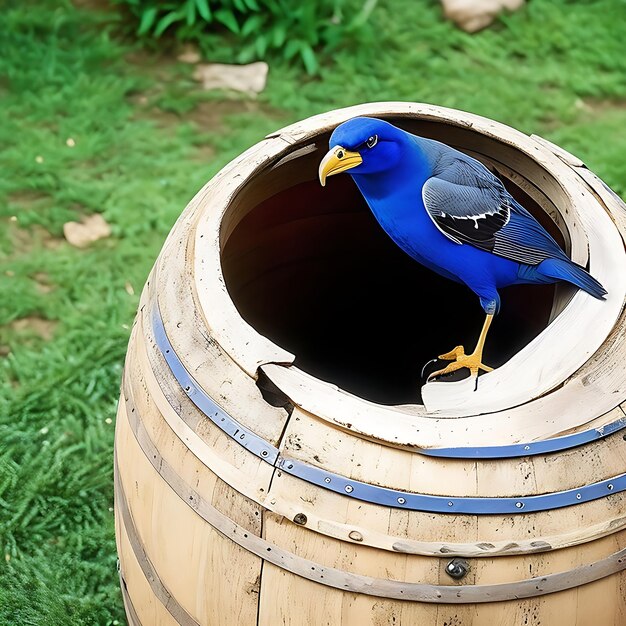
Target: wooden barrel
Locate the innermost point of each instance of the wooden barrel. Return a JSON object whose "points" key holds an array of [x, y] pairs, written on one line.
{"points": [[276, 464]]}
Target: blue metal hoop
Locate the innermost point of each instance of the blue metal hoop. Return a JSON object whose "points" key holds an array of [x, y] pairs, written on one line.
{"points": [[391, 497]]}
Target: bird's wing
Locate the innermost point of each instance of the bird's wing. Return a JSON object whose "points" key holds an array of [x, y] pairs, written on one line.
{"points": [[470, 205]]}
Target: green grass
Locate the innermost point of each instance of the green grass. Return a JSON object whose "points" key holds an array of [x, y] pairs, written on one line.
{"points": [[146, 139]]}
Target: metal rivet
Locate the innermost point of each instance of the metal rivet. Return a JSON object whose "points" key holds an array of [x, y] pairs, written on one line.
{"points": [[609, 487], [263, 452], [327, 479], [578, 496], [457, 568], [450, 503], [519, 505], [355, 535], [300, 518], [526, 447], [401, 500], [290, 466], [349, 488]]}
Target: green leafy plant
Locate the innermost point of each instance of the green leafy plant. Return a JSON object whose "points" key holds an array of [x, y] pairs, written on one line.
{"points": [[291, 29]]}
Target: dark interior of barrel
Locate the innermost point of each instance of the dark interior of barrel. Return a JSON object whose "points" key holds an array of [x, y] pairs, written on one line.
{"points": [[311, 269]]}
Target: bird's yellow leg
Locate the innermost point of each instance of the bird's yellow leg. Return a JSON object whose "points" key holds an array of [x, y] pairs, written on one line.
{"points": [[459, 359]]}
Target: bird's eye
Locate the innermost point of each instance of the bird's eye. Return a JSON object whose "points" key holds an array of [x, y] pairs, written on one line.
{"points": [[372, 141]]}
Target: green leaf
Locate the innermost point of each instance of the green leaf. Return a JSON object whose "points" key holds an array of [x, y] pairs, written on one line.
{"points": [[191, 12], [203, 9], [261, 45], [251, 24], [279, 34], [165, 22], [252, 4], [308, 58], [363, 15], [240, 6], [292, 48], [227, 18], [147, 19], [246, 54]]}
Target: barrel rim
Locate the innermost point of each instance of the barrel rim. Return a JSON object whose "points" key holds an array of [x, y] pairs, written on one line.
{"points": [[495, 399]]}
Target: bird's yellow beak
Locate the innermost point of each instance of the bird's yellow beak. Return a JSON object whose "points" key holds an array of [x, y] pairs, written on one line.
{"points": [[338, 160]]}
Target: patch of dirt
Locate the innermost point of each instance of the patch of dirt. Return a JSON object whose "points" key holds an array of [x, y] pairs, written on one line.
{"points": [[163, 119], [208, 115], [203, 154], [600, 105], [42, 282], [211, 114], [26, 198], [25, 240], [160, 65], [35, 325], [96, 5]]}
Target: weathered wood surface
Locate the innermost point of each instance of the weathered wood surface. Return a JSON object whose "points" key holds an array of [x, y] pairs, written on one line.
{"points": [[187, 552]]}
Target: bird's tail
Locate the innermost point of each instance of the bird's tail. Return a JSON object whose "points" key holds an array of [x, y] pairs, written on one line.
{"points": [[564, 269]]}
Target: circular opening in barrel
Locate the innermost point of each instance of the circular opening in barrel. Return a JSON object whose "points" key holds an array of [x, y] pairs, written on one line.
{"points": [[311, 269]]}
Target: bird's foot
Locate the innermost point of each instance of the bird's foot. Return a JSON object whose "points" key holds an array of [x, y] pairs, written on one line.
{"points": [[473, 362]]}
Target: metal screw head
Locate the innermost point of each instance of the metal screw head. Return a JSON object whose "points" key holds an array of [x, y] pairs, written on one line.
{"points": [[401, 500], [450, 503], [578, 496], [300, 518], [457, 568], [349, 488], [609, 487], [526, 447], [519, 505], [327, 479], [263, 452]]}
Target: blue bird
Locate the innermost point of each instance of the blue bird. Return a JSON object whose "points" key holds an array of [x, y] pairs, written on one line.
{"points": [[450, 213]]}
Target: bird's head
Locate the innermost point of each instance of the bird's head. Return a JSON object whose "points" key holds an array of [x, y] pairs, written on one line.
{"points": [[363, 145]]}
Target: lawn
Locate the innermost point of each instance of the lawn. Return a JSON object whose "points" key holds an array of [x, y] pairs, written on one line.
{"points": [[91, 123]]}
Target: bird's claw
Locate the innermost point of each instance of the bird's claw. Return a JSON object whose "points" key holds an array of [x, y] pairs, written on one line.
{"points": [[460, 360]]}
